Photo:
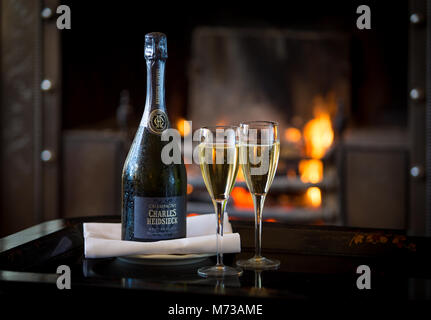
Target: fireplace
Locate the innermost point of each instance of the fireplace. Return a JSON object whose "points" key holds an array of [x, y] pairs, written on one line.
{"points": [[299, 79], [350, 104]]}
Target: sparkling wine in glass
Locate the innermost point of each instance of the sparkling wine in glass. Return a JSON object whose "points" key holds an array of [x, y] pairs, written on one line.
{"points": [[219, 163], [259, 153]]}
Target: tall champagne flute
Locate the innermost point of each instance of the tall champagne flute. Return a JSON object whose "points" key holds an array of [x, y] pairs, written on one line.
{"points": [[219, 162], [259, 153]]}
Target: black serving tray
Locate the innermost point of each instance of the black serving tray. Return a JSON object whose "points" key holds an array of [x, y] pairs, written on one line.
{"points": [[316, 262]]}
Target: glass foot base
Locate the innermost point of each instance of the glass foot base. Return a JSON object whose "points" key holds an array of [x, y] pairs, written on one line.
{"points": [[219, 271], [258, 263]]}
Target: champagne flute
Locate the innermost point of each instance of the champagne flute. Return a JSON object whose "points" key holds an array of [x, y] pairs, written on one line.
{"points": [[259, 153], [219, 162]]}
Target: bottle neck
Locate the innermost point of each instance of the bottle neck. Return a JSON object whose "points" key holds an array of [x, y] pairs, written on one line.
{"points": [[155, 117], [155, 85]]}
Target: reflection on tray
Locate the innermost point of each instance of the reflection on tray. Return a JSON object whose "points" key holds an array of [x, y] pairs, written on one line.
{"points": [[137, 275]]}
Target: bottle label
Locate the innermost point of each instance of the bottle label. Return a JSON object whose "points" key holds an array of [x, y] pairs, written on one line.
{"points": [[158, 121], [159, 218]]}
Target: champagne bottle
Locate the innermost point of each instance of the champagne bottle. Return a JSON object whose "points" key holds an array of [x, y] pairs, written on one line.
{"points": [[153, 193]]}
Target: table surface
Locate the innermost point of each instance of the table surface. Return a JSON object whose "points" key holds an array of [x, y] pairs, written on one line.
{"points": [[316, 262]]}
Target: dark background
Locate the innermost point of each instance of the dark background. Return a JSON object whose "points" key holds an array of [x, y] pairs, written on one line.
{"points": [[103, 53]]}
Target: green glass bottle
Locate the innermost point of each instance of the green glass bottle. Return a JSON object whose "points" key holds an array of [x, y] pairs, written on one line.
{"points": [[154, 194]]}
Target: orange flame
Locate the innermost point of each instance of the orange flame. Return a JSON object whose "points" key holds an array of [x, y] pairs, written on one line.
{"points": [[192, 214], [183, 127], [314, 196], [318, 137], [240, 176], [311, 170], [318, 134], [242, 198], [189, 188], [292, 135]]}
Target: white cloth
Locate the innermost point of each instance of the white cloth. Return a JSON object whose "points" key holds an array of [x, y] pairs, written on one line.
{"points": [[103, 240]]}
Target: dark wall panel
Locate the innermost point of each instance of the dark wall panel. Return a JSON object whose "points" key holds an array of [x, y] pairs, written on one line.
{"points": [[20, 114]]}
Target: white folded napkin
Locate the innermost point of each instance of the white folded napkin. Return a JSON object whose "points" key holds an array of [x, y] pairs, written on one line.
{"points": [[103, 240]]}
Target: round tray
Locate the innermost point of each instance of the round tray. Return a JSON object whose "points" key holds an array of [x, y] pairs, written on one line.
{"points": [[165, 259]]}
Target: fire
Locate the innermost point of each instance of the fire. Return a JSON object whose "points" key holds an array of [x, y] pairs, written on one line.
{"points": [[183, 127], [318, 134], [314, 196], [242, 198], [189, 188], [192, 214], [311, 170], [240, 176], [318, 137], [292, 135], [222, 122]]}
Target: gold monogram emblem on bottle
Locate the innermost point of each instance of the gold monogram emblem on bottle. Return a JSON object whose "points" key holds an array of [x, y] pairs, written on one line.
{"points": [[158, 121]]}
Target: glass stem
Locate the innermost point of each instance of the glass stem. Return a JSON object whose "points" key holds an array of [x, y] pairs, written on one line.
{"points": [[219, 206], [258, 279], [258, 207]]}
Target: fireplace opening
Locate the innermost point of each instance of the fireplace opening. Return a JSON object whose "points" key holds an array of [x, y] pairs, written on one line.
{"points": [[340, 95]]}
